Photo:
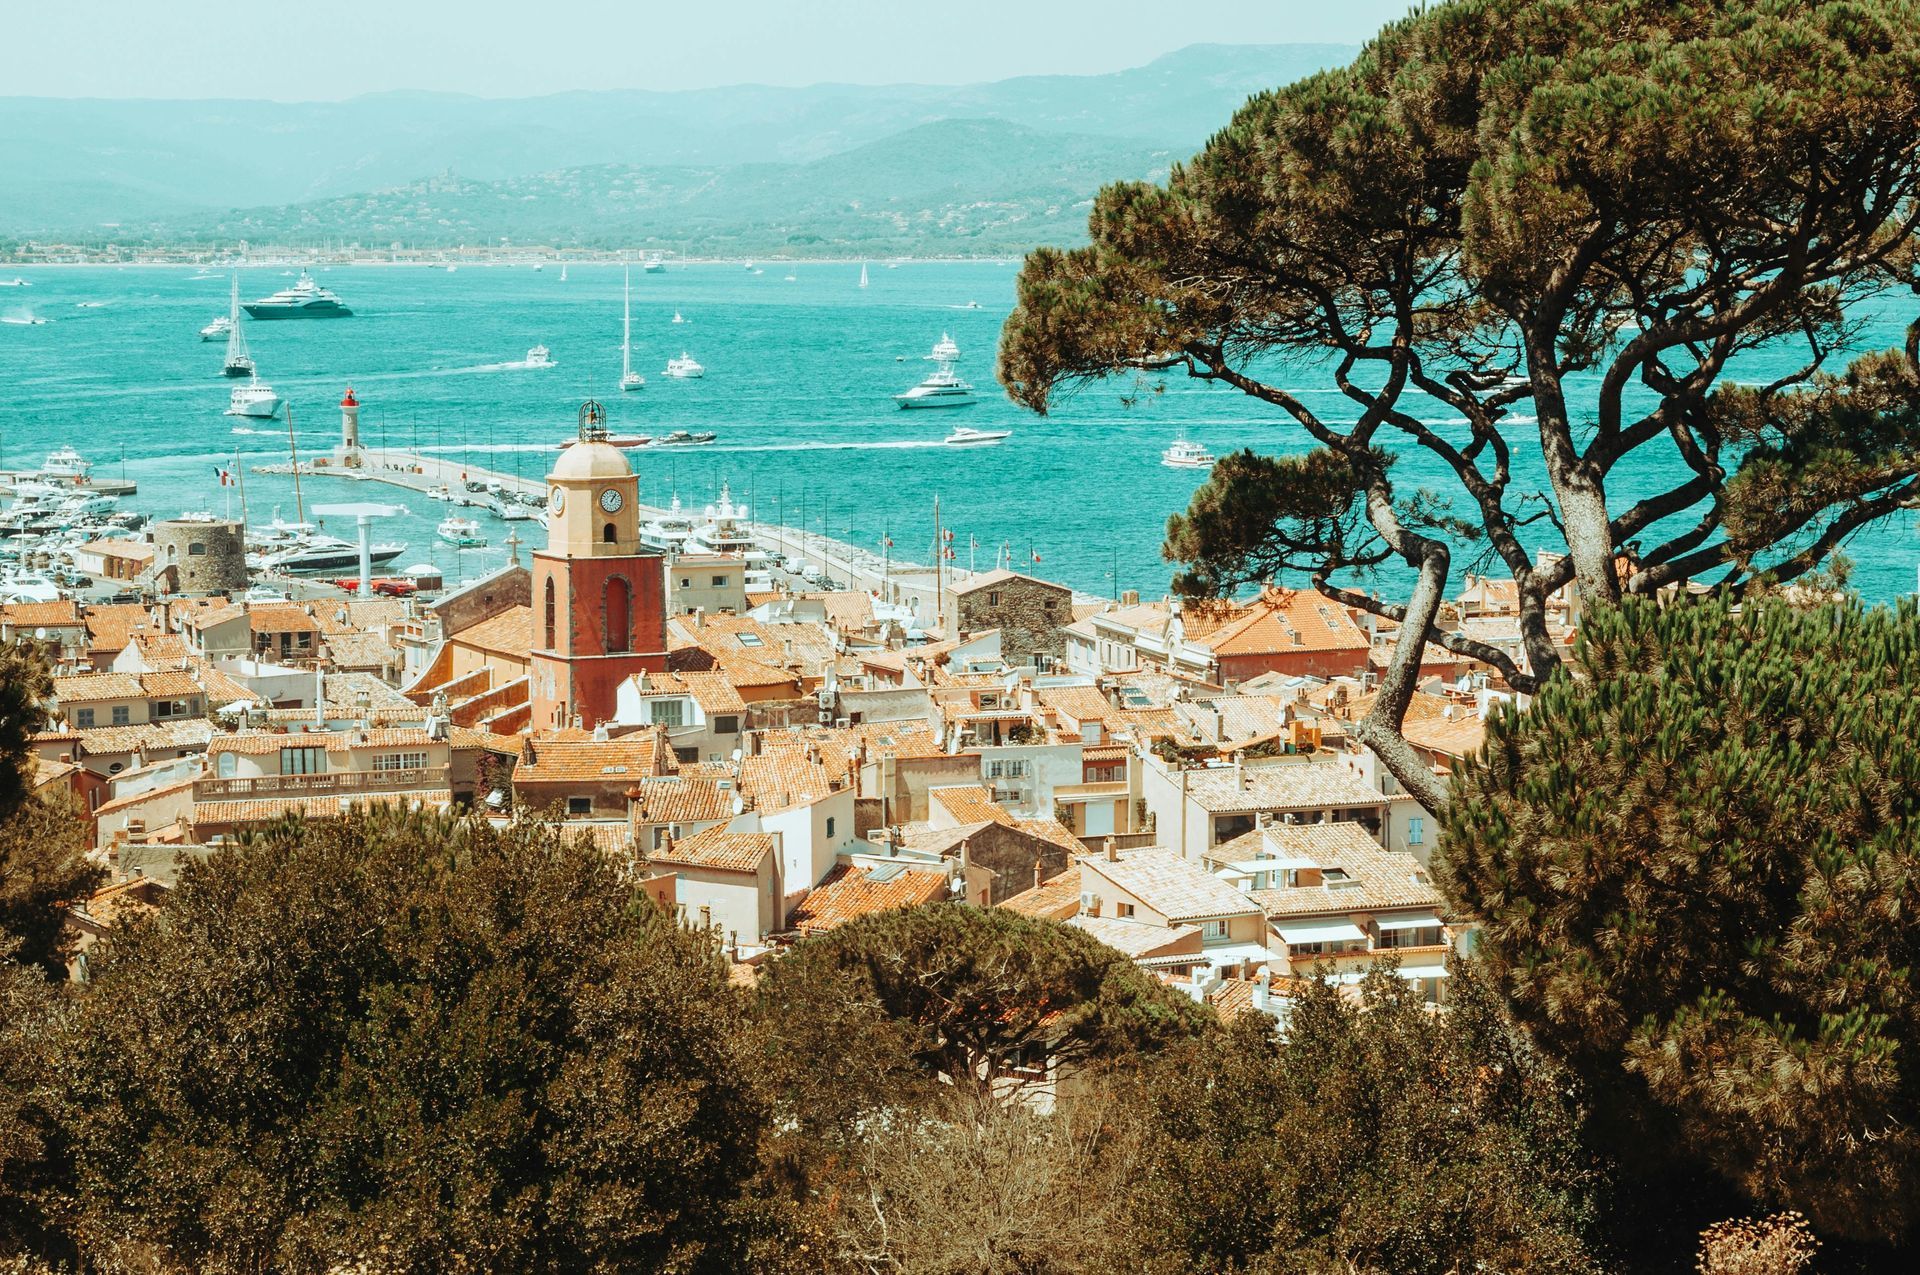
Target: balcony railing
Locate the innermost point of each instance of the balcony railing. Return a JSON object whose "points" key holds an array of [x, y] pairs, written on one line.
{"points": [[323, 785]]}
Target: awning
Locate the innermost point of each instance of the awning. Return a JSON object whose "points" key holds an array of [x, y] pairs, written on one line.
{"points": [[1422, 971], [1408, 921], [1331, 930]]}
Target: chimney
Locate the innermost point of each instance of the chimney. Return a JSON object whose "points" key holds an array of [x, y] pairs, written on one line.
{"points": [[966, 857], [1036, 872], [1113, 855], [1239, 773], [1263, 991]]}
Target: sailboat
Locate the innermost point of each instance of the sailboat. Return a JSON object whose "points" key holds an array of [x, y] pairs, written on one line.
{"points": [[863, 274], [239, 362], [629, 379], [563, 274]]}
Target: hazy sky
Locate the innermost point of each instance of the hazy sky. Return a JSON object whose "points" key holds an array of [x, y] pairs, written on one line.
{"points": [[312, 49]]}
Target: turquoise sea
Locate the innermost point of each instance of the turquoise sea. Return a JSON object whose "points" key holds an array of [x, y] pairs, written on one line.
{"points": [[799, 385]]}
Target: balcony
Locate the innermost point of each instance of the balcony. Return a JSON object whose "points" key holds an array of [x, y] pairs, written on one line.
{"points": [[333, 783]]}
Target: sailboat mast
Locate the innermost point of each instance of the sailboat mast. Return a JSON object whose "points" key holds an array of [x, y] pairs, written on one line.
{"points": [[939, 575], [626, 333], [293, 450]]}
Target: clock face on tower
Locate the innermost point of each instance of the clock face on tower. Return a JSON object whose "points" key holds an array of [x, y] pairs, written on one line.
{"points": [[558, 499], [610, 500]]}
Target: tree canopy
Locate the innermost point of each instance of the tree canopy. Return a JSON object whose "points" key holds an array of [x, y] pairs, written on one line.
{"points": [[1527, 240], [1373, 1136], [413, 1042], [947, 994], [43, 864], [1696, 866]]}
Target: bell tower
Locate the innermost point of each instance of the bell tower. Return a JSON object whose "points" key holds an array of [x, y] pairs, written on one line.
{"points": [[599, 595]]}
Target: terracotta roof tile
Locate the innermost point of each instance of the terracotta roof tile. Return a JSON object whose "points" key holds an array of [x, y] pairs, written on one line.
{"points": [[266, 809], [1178, 888], [509, 633], [583, 759], [970, 803], [1056, 898], [87, 688], [848, 893], [675, 799], [1287, 620], [285, 617], [784, 778], [711, 691], [718, 849], [63, 613]]}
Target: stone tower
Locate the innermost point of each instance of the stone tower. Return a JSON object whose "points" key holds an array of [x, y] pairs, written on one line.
{"points": [[200, 554], [599, 596]]}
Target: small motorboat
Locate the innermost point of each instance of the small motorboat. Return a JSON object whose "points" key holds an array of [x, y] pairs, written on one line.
{"points": [[685, 368], [541, 357], [461, 533], [964, 437], [1185, 455]]}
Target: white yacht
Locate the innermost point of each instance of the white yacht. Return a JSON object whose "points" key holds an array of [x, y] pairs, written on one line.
{"points": [[461, 533], [942, 388], [65, 465], [685, 368], [724, 529], [217, 329], [964, 437], [669, 531], [28, 586], [677, 318], [256, 399], [304, 300], [540, 357], [654, 264], [946, 349], [1185, 455], [294, 547], [629, 379]]}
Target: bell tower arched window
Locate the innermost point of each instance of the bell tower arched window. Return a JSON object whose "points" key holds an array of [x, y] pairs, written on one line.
{"points": [[608, 534], [549, 625], [619, 615]]}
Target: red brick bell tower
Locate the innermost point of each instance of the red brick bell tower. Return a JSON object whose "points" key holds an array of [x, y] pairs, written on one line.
{"points": [[599, 597]]}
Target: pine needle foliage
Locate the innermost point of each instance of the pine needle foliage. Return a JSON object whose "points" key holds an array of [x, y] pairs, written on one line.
{"points": [[1696, 865]]}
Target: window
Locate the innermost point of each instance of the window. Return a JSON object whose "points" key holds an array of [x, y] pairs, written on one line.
{"points": [[669, 712], [686, 756], [726, 725], [996, 770], [993, 597], [83, 718], [719, 582], [748, 639], [829, 825], [549, 618], [303, 761], [619, 615], [1425, 936], [196, 550], [227, 766], [400, 761], [685, 583], [608, 534], [122, 715], [1416, 830], [1213, 930], [579, 805], [1123, 909], [166, 708]]}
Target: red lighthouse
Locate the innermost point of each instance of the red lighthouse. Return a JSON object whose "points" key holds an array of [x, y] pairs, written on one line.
{"points": [[599, 597]]}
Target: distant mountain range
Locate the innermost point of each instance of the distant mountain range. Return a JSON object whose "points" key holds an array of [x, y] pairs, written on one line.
{"points": [[980, 168]]}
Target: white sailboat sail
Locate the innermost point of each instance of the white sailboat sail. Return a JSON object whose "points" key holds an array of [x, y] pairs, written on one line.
{"points": [[863, 274], [239, 362], [629, 379]]}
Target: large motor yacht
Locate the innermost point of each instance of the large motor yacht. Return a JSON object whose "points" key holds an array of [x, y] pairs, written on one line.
{"points": [[669, 531], [256, 399], [724, 529], [943, 388], [304, 300], [299, 547], [685, 367], [964, 437]]}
